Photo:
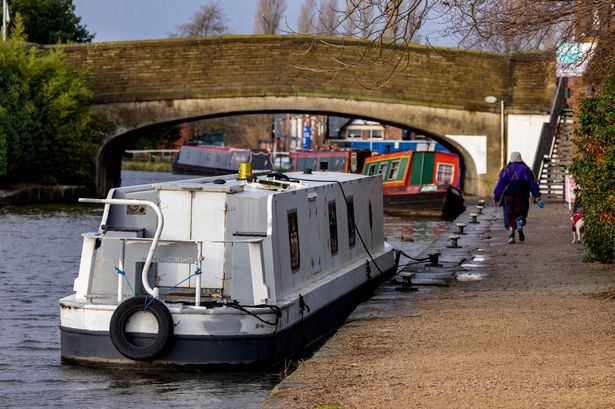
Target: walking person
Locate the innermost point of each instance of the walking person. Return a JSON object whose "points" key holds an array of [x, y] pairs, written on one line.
{"points": [[512, 191]]}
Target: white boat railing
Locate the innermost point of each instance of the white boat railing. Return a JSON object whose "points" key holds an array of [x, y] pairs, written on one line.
{"points": [[176, 252], [154, 292]]}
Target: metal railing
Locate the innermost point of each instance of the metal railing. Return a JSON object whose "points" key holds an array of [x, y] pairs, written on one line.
{"points": [[549, 129]]}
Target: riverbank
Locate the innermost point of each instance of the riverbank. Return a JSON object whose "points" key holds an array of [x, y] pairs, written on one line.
{"points": [[164, 165], [37, 194], [536, 331]]}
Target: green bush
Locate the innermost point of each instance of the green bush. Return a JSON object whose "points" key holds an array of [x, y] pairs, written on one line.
{"points": [[594, 172], [46, 128]]}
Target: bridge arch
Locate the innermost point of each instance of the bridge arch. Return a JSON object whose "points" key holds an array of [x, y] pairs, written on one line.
{"points": [[138, 118]]}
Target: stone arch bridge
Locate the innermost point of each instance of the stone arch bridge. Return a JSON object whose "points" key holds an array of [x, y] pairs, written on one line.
{"points": [[146, 84]]}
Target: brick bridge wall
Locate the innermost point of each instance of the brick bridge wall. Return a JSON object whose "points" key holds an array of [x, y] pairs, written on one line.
{"points": [[441, 91]]}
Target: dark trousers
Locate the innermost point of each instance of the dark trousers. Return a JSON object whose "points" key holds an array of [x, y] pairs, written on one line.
{"points": [[515, 209]]}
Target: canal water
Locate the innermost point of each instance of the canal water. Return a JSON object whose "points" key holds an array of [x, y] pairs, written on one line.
{"points": [[40, 248]]}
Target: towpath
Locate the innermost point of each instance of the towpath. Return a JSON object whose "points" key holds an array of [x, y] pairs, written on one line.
{"points": [[536, 331]]}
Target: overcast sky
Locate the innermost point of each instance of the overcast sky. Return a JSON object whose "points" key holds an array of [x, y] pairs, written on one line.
{"points": [[118, 20]]}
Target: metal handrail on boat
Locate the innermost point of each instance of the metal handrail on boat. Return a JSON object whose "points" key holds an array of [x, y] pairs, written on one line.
{"points": [[154, 292]]}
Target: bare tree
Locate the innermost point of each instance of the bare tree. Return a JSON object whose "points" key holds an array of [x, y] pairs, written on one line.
{"points": [[208, 20], [269, 15], [327, 17], [398, 29], [540, 24], [497, 25], [307, 16]]}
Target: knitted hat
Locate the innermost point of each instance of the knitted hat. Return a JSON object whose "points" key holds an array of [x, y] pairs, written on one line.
{"points": [[515, 157]]}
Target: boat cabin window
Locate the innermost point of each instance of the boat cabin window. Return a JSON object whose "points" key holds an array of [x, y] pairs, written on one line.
{"points": [[351, 227], [382, 168], [445, 173], [371, 169], [394, 170], [293, 238], [376, 134], [354, 134], [333, 227]]}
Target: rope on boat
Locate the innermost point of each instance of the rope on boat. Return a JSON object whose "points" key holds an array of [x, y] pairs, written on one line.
{"points": [[274, 308], [149, 300], [303, 306], [244, 308], [123, 273], [413, 262], [412, 258]]}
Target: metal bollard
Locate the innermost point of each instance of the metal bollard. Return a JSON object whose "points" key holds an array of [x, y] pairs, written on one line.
{"points": [[460, 226], [406, 284], [480, 209], [433, 259], [474, 217], [481, 203], [454, 239]]}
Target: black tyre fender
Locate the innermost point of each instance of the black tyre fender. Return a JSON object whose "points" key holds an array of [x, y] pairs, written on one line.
{"points": [[120, 317]]}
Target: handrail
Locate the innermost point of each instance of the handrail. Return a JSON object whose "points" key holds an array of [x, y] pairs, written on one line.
{"points": [[548, 131], [154, 292]]}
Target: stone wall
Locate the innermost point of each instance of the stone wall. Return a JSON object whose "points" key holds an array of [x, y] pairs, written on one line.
{"points": [[248, 66]]}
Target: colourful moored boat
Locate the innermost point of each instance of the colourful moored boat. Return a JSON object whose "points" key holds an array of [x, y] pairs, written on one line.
{"points": [[419, 183]]}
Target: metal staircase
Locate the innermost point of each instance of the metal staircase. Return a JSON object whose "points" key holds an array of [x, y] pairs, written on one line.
{"points": [[551, 175], [554, 152]]}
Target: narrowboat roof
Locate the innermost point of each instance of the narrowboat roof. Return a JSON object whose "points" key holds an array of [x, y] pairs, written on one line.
{"points": [[230, 184]]}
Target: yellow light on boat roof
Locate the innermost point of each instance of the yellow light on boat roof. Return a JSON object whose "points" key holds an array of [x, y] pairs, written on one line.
{"points": [[245, 171]]}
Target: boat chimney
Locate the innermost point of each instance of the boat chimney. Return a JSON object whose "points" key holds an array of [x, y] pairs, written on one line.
{"points": [[245, 171]]}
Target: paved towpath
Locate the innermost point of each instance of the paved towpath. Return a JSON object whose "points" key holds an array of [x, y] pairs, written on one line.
{"points": [[536, 331]]}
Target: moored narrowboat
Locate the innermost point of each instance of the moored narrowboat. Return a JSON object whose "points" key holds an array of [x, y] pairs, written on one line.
{"points": [[209, 160], [421, 183], [224, 270]]}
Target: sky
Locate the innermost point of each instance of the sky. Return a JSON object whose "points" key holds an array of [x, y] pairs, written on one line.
{"points": [[120, 20], [126, 20]]}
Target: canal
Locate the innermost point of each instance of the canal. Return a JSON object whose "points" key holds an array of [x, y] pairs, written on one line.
{"points": [[40, 248]]}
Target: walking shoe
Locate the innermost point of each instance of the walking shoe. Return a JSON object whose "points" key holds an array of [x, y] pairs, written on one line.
{"points": [[520, 224], [511, 235], [521, 235]]}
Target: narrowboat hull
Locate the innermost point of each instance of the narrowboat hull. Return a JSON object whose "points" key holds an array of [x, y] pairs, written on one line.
{"points": [[444, 202], [235, 348], [95, 347]]}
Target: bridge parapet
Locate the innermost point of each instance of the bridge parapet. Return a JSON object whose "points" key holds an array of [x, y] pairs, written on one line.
{"points": [[246, 66]]}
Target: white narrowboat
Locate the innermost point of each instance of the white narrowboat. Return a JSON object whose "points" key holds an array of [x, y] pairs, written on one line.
{"points": [[224, 270]]}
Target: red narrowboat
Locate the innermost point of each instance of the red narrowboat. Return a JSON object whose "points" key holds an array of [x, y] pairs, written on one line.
{"points": [[419, 183]]}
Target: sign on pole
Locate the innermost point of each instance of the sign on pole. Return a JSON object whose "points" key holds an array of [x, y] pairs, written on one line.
{"points": [[572, 59], [307, 141]]}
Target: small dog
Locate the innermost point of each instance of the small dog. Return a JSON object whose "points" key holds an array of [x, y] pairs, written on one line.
{"points": [[578, 226]]}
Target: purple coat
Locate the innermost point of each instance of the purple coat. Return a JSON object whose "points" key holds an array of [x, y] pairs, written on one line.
{"points": [[516, 179]]}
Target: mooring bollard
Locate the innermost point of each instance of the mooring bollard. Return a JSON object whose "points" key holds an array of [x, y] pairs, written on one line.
{"points": [[453, 239], [460, 226], [474, 217], [406, 283], [433, 259], [481, 203], [480, 209]]}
